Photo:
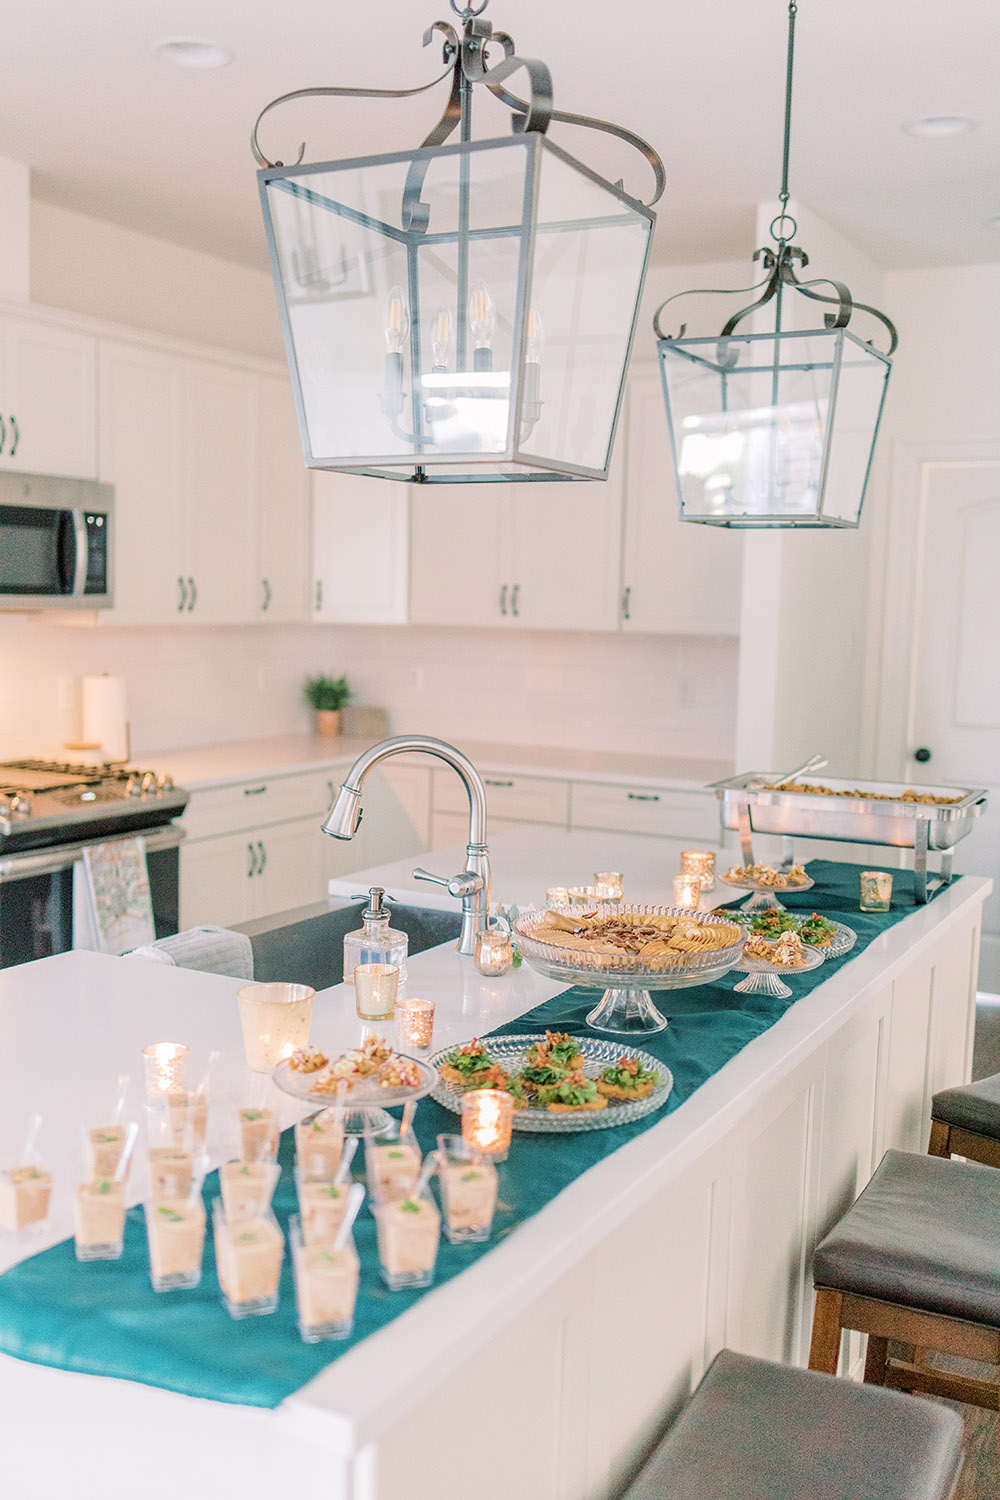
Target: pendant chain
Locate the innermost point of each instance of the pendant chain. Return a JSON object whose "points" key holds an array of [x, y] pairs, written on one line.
{"points": [[784, 218]]}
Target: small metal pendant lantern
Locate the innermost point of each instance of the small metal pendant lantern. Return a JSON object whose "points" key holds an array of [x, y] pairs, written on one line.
{"points": [[777, 428], [462, 311]]}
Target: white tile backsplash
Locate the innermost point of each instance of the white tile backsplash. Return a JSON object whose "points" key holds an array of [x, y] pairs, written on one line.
{"points": [[204, 685]]}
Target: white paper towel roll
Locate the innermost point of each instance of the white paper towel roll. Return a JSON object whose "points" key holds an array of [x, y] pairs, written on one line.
{"points": [[105, 715]]}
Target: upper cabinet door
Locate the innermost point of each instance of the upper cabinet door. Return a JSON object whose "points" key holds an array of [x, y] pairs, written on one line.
{"points": [[459, 542], [140, 454], [219, 445], [283, 506], [48, 400], [679, 578], [360, 543]]}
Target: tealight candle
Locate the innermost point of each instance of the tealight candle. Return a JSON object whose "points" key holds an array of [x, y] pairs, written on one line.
{"points": [[557, 895], [415, 1022], [487, 1121], [165, 1065], [699, 862], [494, 953], [687, 891]]}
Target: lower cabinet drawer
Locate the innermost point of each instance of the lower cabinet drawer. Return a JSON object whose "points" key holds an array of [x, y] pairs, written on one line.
{"points": [[521, 799], [252, 804], [625, 809]]}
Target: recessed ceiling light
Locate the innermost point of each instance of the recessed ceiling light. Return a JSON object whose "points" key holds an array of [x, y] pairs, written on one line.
{"points": [[192, 52], [938, 126]]}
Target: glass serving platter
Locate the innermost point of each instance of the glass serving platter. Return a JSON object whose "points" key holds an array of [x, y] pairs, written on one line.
{"points": [[842, 942], [366, 1103], [769, 979], [508, 1053], [765, 896], [626, 1007]]}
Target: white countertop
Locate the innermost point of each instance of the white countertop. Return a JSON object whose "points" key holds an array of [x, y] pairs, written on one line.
{"points": [[216, 765]]}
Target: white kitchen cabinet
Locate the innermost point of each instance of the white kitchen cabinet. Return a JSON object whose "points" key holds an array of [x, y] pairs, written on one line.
{"points": [[215, 877], [360, 549], [453, 828], [282, 572], [678, 578], [254, 873], [48, 399], [663, 812], [218, 492], [509, 797], [458, 555]]}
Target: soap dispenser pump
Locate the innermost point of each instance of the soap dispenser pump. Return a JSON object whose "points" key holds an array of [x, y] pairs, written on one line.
{"points": [[375, 942]]}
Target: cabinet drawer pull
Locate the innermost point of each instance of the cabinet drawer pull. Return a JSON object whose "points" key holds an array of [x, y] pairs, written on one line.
{"points": [[267, 595], [626, 601], [513, 598], [254, 791], [503, 598], [15, 433], [253, 862], [319, 593], [194, 593], [487, 781], [263, 857], [643, 796], [182, 586]]}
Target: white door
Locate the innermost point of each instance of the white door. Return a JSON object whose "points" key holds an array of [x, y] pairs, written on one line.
{"points": [[678, 577], [282, 579], [955, 683], [49, 400], [220, 493], [360, 540], [140, 454], [458, 551]]}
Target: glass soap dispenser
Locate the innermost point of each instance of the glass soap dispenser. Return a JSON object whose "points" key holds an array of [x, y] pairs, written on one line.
{"points": [[376, 942]]}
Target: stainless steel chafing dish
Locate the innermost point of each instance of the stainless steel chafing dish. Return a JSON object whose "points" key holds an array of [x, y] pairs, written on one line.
{"points": [[748, 806]]}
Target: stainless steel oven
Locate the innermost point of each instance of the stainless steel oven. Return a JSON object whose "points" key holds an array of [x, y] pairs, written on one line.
{"points": [[55, 543]]}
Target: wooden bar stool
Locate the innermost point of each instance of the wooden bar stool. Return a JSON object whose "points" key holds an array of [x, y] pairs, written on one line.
{"points": [[916, 1260], [760, 1431], [965, 1121]]}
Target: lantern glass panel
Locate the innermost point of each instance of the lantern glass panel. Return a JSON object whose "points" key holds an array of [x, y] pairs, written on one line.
{"points": [[760, 421]]}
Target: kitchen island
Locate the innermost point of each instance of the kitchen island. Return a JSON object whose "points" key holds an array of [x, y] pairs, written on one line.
{"points": [[552, 1361]]}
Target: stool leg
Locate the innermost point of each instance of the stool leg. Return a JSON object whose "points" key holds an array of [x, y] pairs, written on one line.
{"points": [[940, 1141], [824, 1354], [878, 1349]]}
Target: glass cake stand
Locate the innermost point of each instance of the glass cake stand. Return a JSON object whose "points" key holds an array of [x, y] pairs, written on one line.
{"points": [[769, 979], [766, 896], [365, 1105], [626, 1006]]}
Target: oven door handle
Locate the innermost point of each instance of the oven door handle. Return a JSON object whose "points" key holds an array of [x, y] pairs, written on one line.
{"points": [[31, 862]]}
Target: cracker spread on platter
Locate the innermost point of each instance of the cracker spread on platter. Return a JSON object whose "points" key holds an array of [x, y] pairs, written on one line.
{"points": [[659, 940]]}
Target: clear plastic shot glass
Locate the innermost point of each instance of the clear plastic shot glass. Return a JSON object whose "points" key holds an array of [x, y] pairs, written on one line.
{"points": [[326, 1284], [468, 1185]]}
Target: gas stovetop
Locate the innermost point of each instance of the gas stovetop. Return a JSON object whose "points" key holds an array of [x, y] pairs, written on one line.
{"points": [[45, 802]]}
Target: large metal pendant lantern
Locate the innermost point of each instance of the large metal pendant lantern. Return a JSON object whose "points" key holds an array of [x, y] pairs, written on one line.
{"points": [[461, 311], [776, 428]]}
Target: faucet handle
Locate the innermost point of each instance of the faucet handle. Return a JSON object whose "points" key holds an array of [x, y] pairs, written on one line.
{"points": [[458, 885]]}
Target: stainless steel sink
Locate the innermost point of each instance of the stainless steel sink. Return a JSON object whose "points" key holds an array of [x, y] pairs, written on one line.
{"points": [[306, 946]]}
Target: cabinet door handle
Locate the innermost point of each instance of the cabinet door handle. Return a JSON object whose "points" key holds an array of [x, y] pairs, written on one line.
{"points": [[251, 872], [182, 586], [194, 593], [643, 796], [254, 791], [267, 595], [263, 857], [319, 593], [3, 433], [16, 433], [513, 598], [503, 600], [626, 601], [488, 782]]}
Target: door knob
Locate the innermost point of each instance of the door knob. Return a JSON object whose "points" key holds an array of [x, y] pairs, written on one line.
{"points": [[922, 754]]}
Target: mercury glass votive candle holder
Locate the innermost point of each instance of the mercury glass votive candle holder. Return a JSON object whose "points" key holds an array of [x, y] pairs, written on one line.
{"points": [[700, 862], [165, 1069], [414, 1022], [608, 885], [494, 953], [687, 891], [557, 895], [487, 1121], [375, 990], [876, 890]]}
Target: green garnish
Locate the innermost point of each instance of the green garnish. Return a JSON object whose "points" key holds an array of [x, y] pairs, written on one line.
{"points": [[470, 1176], [326, 1255], [542, 1077], [570, 1093], [32, 1172], [409, 1207], [105, 1139], [104, 1186], [247, 1239], [395, 1155], [333, 1192], [252, 1114], [244, 1171], [170, 1214], [469, 1062]]}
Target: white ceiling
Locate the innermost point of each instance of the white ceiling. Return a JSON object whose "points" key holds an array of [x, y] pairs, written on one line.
{"points": [[111, 131]]}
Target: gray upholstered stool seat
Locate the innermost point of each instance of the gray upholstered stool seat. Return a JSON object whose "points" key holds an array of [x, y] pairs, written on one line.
{"points": [[760, 1431], [965, 1121], [916, 1261]]}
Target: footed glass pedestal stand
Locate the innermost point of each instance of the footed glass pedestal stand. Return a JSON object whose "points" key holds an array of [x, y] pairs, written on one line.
{"points": [[768, 979], [626, 1007], [765, 897]]}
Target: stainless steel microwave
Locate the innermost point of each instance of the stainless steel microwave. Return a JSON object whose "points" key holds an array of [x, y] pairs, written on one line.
{"points": [[55, 542]]}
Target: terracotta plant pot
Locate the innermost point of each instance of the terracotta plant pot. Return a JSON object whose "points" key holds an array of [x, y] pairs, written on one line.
{"points": [[328, 722]]}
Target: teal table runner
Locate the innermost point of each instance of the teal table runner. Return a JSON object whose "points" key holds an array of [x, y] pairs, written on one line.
{"points": [[103, 1318]]}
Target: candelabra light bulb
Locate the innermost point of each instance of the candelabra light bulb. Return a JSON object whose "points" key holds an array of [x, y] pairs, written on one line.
{"points": [[536, 336], [441, 338], [397, 321], [482, 315]]}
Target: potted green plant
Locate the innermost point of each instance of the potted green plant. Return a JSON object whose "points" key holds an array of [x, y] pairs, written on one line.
{"points": [[327, 696]]}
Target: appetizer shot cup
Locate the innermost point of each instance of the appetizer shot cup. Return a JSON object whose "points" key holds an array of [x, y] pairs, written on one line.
{"points": [[99, 1219], [275, 1021], [187, 1117], [326, 1284], [319, 1142], [247, 1187], [258, 1132], [248, 1255], [25, 1187], [322, 1206], [105, 1144], [408, 1231], [468, 1183], [392, 1162], [375, 990], [175, 1234]]}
